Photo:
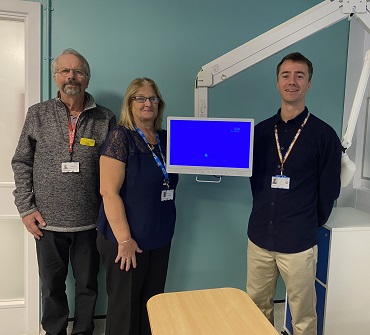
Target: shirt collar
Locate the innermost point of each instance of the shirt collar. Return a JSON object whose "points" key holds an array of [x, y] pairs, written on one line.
{"points": [[298, 119], [89, 101]]}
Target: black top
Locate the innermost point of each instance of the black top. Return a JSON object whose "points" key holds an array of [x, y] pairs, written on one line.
{"points": [[151, 220], [286, 220]]}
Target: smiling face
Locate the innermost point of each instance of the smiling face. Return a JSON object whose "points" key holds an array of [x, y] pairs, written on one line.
{"points": [[293, 83], [144, 113], [73, 82]]}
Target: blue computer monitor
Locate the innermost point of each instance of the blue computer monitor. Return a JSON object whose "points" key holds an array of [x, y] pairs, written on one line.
{"points": [[210, 146]]}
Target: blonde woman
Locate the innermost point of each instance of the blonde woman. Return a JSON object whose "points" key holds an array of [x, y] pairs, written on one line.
{"points": [[137, 217]]}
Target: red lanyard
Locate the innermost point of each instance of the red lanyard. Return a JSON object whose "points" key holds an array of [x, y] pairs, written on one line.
{"points": [[72, 132], [283, 160]]}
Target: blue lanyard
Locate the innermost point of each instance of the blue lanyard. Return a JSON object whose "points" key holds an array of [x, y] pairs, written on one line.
{"points": [[157, 160]]}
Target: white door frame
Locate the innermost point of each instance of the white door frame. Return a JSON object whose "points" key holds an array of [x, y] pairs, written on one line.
{"points": [[22, 316]]}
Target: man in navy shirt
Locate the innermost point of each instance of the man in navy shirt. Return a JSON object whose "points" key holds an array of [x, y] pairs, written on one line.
{"points": [[295, 181]]}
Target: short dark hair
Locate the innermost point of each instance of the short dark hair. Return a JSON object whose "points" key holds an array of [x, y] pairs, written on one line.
{"points": [[299, 58]]}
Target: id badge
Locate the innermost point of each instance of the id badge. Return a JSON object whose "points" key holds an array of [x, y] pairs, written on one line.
{"points": [[70, 167], [167, 195], [280, 181]]}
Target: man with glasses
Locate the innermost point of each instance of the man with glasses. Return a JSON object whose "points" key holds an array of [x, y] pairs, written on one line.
{"points": [[295, 181], [56, 172]]}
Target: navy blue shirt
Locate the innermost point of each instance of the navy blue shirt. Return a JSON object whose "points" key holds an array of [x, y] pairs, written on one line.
{"points": [[286, 220], [151, 221]]}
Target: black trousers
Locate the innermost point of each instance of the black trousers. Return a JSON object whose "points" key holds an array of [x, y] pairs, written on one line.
{"points": [[128, 292], [54, 250]]}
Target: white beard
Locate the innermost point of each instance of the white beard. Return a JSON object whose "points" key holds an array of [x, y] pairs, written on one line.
{"points": [[74, 90]]}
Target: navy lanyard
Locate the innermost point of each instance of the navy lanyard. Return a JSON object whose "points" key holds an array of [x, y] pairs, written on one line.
{"points": [[156, 158]]}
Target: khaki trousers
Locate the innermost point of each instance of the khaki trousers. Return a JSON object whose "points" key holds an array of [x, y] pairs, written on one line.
{"points": [[298, 271]]}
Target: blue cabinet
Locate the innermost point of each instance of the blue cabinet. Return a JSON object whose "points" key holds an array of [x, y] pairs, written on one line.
{"points": [[343, 275]]}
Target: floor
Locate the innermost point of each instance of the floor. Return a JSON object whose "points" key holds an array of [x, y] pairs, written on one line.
{"points": [[279, 321], [279, 316]]}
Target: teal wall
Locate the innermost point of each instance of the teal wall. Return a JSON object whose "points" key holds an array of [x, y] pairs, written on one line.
{"points": [[169, 41]]}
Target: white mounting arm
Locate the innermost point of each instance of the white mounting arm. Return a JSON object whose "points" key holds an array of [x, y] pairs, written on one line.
{"points": [[348, 167], [359, 97], [301, 26]]}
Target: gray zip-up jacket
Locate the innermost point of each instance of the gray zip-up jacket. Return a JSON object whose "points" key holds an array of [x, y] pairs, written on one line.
{"points": [[68, 202]]}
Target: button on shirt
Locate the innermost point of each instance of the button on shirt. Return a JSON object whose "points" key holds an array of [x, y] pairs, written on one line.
{"points": [[286, 220]]}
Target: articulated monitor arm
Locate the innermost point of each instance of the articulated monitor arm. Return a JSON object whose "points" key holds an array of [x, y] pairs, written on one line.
{"points": [[357, 102], [282, 36], [348, 167], [299, 27]]}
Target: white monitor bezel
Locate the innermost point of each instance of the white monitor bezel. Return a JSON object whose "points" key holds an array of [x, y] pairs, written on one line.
{"points": [[206, 170]]}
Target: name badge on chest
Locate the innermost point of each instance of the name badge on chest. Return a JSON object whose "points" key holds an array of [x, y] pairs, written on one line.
{"points": [[167, 195], [70, 167], [280, 181]]}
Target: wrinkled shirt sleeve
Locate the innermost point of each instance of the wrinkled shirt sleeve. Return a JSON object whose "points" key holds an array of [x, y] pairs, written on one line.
{"points": [[329, 177], [22, 165]]}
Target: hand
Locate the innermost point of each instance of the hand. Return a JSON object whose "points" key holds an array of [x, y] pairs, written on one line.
{"points": [[127, 254], [31, 222]]}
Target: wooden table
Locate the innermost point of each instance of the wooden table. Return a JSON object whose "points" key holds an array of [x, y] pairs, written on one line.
{"points": [[221, 311]]}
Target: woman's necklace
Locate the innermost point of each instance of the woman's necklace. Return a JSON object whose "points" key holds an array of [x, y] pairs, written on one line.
{"points": [[151, 146]]}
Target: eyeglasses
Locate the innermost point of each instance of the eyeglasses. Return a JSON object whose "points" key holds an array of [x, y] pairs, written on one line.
{"points": [[142, 100], [65, 72]]}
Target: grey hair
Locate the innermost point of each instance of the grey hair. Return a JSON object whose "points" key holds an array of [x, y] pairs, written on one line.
{"points": [[71, 51]]}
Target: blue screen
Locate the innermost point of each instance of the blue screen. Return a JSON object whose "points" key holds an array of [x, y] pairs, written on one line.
{"points": [[210, 143]]}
